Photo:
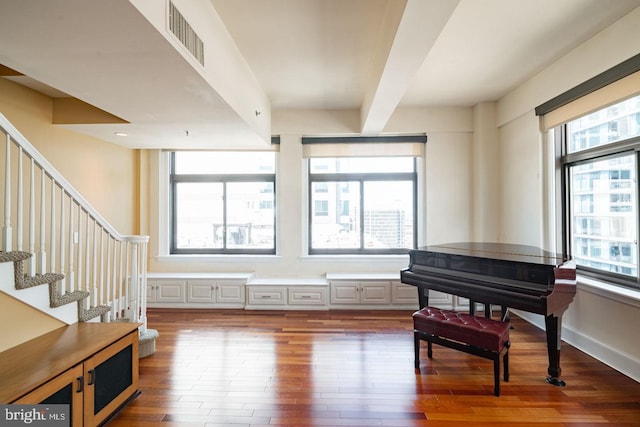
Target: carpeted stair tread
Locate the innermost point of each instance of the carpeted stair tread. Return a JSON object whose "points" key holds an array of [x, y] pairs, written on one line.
{"points": [[14, 256], [85, 315], [38, 279], [58, 300]]}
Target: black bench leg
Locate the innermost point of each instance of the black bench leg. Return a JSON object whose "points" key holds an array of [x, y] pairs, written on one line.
{"points": [[429, 349]]}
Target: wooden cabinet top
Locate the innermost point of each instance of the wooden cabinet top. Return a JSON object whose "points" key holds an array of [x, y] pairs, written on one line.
{"points": [[33, 363]]}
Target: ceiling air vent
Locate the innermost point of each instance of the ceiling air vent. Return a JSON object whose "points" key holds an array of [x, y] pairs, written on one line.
{"points": [[183, 31]]}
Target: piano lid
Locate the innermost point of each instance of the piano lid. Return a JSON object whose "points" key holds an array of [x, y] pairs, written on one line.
{"points": [[499, 251]]}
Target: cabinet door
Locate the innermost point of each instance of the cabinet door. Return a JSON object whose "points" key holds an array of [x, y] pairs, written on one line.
{"points": [[111, 379], [404, 294], [170, 291], [345, 292], [375, 292], [64, 389], [201, 291], [151, 291], [230, 291]]}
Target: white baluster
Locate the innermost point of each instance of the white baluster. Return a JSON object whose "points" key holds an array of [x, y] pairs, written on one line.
{"points": [[20, 203], [32, 219], [121, 279], [7, 237], [62, 246], [107, 274], [100, 255], [42, 264], [79, 251], [127, 283], [70, 270], [94, 252], [87, 266], [52, 226]]}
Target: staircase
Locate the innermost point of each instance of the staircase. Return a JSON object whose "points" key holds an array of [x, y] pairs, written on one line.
{"points": [[54, 237]]}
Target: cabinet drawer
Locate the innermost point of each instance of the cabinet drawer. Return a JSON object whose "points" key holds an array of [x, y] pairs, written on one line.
{"points": [[307, 296], [264, 295]]}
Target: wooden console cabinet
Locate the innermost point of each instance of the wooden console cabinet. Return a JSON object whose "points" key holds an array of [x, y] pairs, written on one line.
{"points": [[93, 367]]}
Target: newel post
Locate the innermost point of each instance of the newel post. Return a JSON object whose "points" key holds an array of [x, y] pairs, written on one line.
{"points": [[137, 305]]}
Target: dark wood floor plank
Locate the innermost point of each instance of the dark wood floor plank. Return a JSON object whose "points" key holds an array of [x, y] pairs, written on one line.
{"points": [[355, 368]]}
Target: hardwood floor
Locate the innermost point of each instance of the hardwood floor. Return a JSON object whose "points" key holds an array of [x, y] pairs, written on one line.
{"points": [[355, 368]]}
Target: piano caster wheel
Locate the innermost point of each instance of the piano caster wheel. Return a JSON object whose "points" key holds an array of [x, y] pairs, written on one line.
{"points": [[556, 381]]}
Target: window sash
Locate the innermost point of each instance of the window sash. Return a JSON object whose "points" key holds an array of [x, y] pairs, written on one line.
{"points": [[348, 243], [601, 220], [229, 233]]}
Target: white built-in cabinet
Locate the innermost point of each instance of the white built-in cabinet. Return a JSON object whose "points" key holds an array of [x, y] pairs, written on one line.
{"points": [[371, 291], [243, 290], [278, 294], [165, 291], [197, 290]]}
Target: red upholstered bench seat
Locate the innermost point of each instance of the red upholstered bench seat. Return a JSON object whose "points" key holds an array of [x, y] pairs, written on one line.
{"points": [[479, 336], [477, 331]]}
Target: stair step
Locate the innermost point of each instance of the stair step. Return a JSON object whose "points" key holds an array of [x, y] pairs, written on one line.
{"points": [[68, 298], [14, 256], [38, 279], [90, 313]]}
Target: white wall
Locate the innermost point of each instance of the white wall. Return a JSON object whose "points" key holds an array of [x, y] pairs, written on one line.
{"points": [[602, 319], [521, 181]]}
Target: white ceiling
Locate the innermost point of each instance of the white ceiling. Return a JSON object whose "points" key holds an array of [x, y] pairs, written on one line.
{"points": [[263, 56]]}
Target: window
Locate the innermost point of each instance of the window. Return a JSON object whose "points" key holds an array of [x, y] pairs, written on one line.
{"points": [[600, 161], [222, 202], [362, 205]]}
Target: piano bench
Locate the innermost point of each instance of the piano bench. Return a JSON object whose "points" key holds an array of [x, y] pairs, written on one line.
{"points": [[479, 336]]}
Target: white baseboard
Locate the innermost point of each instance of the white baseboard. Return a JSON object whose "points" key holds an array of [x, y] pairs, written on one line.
{"points": [[627, 364]]}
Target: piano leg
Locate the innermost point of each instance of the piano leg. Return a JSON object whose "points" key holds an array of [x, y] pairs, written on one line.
{"points": [[554, 329], [423, 297]]}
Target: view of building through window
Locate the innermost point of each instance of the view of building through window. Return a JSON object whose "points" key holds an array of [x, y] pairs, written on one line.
{"points": [[223, 202], [360, 205], [603, 189]]}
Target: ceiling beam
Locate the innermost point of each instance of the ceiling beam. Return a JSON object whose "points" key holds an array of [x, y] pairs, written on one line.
{"points": [[419, 25]]}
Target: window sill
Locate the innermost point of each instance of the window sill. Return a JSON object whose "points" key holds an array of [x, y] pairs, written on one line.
{"points": [[217, 258], [612, 292], [391, 259]]}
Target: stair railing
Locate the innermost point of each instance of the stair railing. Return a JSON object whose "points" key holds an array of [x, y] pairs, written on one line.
{"points": [[44, 215]]}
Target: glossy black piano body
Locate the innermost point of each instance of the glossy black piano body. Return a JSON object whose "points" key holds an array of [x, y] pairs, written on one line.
{"points": [[512, 276]]}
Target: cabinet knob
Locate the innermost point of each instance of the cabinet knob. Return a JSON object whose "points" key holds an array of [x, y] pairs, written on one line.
{"points": [[92, 377], [80, 384]]}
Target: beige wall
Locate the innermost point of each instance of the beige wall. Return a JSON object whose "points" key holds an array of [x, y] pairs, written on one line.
{"points": [[105, 174], [19, 322]]}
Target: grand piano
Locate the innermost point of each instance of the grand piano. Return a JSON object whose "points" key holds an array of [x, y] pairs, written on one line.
{"points": [[511, 276]]}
